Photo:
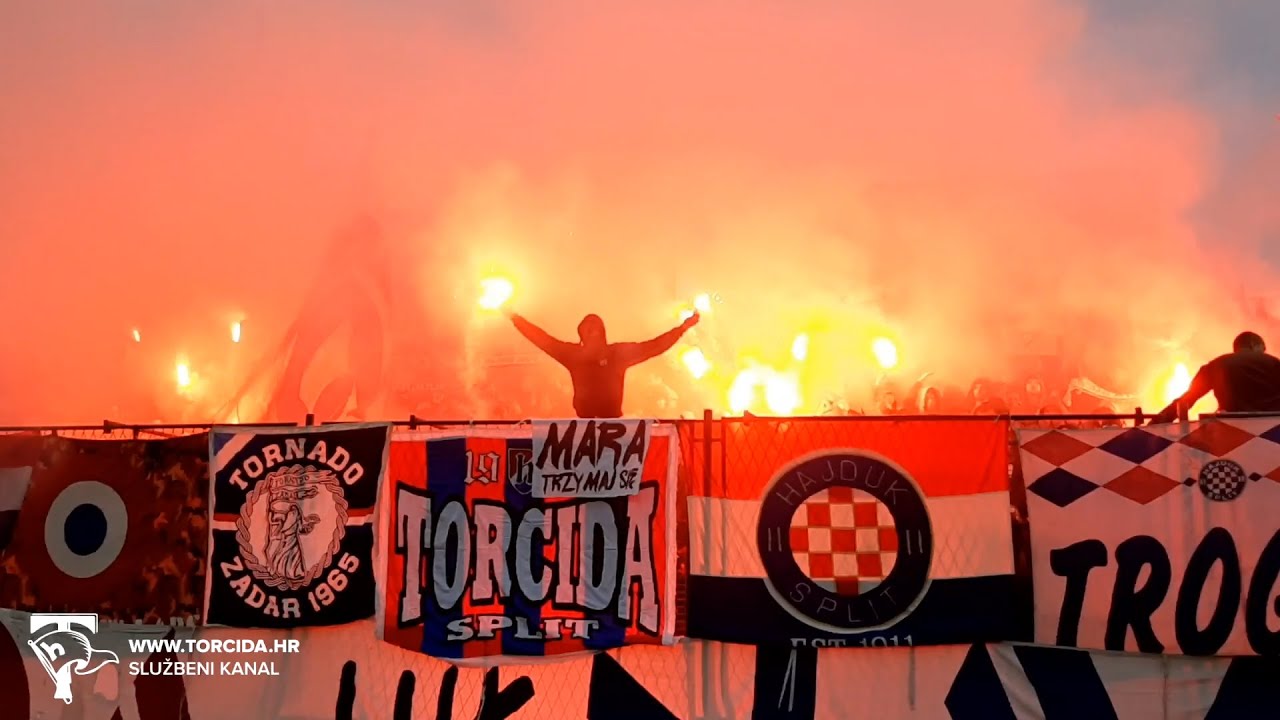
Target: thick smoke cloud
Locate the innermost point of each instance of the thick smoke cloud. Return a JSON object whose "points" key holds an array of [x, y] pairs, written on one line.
{"points": [[957, 179]]}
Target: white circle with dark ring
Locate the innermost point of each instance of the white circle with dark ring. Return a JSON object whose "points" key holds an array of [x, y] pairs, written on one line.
{"points": [[116, 516]]}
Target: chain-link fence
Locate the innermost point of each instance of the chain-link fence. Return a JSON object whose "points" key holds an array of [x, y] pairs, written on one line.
{"points": [[731, 458]]}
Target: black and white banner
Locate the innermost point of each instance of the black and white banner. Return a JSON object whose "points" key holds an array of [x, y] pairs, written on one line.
{"points": [[346, 673], [292, 524], [1161, 539], [589, 458]]}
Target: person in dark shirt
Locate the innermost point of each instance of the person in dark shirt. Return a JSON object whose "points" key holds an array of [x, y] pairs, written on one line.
{"points": [[1246, 380], [597, 367]]}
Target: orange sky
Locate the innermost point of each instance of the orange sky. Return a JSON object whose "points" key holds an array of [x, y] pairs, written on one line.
{"points": [[840, 168]]}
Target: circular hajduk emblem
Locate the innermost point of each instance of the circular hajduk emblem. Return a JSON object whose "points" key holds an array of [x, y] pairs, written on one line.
{"points": [[1222, 480], [845, 539]]}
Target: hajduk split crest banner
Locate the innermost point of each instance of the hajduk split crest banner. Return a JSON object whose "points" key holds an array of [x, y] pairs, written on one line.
{"points": [[292, 524], [855, 533]]}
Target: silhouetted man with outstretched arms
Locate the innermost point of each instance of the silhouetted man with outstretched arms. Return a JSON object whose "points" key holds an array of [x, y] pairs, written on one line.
{"points": [[1246, 380], [598, 368]]}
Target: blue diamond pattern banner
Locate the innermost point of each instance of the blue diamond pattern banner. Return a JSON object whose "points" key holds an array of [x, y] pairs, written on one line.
{"points": [[1160, 539]]}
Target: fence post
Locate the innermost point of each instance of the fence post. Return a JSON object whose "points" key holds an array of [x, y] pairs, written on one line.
{"points": [[706, 451]]}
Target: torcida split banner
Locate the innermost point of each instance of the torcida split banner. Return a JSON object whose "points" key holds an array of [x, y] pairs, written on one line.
{"points": [[292, 535], [110, 527], [589, 458], [1159, 539], [478, 567], [855, 533]]}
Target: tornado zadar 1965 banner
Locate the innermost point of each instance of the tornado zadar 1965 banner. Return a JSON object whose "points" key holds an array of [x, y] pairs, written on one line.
{"points": [[477, 566], [291, 537], [1161, 539]]}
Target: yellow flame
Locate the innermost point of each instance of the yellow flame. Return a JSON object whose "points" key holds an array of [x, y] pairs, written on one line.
{"points": [[137, 335], [696, 362], [183, 375], [702, 303], [495, 292], [782, 393], [235, 332], [742, 392], [800, 347], [886, 353], [1177, 384]]}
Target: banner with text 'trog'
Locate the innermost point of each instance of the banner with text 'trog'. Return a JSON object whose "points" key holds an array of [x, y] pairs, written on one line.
{"points": [[1160, 539]]}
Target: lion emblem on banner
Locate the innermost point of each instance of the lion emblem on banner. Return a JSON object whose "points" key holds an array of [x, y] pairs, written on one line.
{"points": [[291, 526]]}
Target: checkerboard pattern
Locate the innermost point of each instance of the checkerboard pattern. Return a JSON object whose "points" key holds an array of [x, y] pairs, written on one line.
{"points": [[844, 540], [1145, 463]]}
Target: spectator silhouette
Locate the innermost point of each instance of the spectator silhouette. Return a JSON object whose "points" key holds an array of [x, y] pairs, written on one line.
{"points": [[597, 367], [1244, 380]]}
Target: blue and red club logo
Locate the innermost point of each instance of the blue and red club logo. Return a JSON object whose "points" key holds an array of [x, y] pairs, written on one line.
{"points": [[846, 542]]}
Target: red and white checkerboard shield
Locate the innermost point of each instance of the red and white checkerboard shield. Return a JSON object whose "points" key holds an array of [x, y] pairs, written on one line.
{"points": [[844, 540]]}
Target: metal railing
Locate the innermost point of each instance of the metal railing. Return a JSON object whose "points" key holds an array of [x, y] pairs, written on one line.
{"points": [[112, 427]]}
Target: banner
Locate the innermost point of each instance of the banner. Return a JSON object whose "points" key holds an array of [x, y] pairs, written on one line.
{"points": [[588, 458], [832, 533], [1159, 539], [344, 673], [111, 527], [291, 534], [478, 567]]}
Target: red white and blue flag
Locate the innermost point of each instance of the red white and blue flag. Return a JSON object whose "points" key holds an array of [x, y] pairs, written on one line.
{"points": [[476, 567], [853, 532]]}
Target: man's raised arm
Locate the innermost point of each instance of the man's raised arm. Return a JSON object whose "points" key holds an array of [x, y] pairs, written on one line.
{"points": [[558, 349], [634, 353]]}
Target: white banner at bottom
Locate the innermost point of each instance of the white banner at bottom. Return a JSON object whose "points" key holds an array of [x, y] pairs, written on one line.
{"points": [[155, 673]]}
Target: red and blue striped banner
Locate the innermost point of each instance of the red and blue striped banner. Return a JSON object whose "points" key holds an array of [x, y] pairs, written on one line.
{"points": [[474, 566]]}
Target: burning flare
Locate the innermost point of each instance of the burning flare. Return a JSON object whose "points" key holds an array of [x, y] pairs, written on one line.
{"points": [[183, 375], [701, 304], [781, 391], [886, 353], [235, 332], [800, 347], [1177, 384], [495, 292], [696, 362], [137, 335], [742, 392]]}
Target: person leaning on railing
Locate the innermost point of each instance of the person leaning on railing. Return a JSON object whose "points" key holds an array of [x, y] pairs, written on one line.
{"points": [[1244, 380]]}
